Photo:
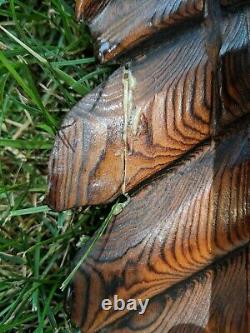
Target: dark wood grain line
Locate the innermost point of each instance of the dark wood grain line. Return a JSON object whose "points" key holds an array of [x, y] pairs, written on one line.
{"points": [[234, 3]]}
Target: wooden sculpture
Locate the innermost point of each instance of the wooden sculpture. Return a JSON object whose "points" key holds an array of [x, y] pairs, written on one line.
{"points": [[171, 127]]}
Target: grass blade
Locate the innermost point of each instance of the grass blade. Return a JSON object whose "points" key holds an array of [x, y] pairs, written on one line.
{"points": [[31, 210]]}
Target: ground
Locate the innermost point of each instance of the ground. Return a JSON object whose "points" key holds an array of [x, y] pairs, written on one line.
{"points": [[46, 65]]}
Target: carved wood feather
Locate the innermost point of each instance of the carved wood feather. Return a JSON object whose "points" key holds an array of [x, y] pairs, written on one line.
{"points": [[171, 127], [145, 117], [194, 214], [220, 291]]}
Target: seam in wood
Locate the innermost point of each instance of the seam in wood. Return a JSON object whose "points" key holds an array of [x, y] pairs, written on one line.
{"points": [[213, 42], [129, 84]]}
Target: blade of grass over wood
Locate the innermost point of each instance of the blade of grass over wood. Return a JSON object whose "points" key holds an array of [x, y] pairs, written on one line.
{"points": [[115, 210]]}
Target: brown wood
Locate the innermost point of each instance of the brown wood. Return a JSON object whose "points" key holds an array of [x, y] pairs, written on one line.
{"points": [[145, 117], [193, 214], [218, 295], [89, 8], [234, 2], [235, 68], [91, 135], [118, 25], [123, 25], [171, 125]]}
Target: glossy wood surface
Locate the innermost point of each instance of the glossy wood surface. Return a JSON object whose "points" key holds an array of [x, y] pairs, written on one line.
{"points": [[171, 125], [194, 214], [150, 113], [89, 8], [118, 25], [91, 135], [215, 300], [122, 25]]}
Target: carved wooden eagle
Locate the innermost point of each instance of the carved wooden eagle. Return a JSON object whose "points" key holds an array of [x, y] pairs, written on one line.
{"points": [[171, 127]]}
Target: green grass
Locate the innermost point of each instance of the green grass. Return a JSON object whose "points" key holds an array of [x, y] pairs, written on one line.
{"points": [[46, 66]]}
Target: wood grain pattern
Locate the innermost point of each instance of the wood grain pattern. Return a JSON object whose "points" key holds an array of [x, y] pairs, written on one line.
{"points": [[119, 26], [215, 300], [195, 214], [91, 133], [148, 115], [165, 122], [89, 8], [235, 68], [165, 114], [122, 25]]}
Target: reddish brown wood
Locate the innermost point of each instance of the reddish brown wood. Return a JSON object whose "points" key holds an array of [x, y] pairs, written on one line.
{"points": [[235, 68], [91, 135], [172, 121], [215, 300], [171, 229], [118, 25], [123, 25], [144, 118], [89, 8]]}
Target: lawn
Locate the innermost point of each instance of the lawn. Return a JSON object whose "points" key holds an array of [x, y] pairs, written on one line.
{"points": [[46, 65]]}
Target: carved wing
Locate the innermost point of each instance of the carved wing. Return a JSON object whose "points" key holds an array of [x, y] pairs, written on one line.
{"points": [[171, 126]]}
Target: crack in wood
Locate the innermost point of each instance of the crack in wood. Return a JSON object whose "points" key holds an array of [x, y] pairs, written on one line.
{"points": [[129, 84]]}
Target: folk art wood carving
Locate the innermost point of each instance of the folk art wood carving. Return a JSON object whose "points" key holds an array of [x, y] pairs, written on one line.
{"points": [[171, 127]]}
